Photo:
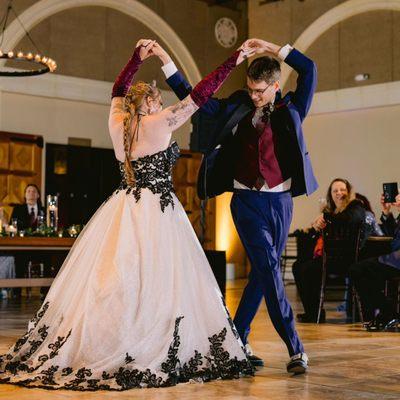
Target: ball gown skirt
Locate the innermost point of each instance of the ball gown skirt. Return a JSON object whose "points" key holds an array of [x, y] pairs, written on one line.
{"points": [[135, 303]]}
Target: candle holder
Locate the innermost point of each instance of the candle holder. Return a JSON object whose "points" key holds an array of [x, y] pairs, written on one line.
{"points": [[72, 230], [52, 212], [13, 228], [41, 226]]}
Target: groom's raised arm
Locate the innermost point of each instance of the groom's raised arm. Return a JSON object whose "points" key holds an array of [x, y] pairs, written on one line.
{"points": [[181, 87], [176, 81], [306, 80]]}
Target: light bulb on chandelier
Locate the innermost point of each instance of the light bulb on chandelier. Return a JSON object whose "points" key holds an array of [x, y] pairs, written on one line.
{"points": [[44, 64], [48, 64]]}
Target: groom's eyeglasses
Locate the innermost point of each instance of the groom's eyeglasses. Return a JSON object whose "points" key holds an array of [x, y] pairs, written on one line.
{"points": [[258, 92]]}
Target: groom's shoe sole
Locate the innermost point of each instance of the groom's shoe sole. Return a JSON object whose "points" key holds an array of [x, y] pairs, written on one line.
{"points": [[297, 367], [256, 361]]}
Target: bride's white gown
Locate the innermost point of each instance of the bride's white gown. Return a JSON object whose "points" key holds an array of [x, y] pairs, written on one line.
{"points": [[135, 303]]}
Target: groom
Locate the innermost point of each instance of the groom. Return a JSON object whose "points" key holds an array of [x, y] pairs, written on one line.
{"points": [[257, 150]]}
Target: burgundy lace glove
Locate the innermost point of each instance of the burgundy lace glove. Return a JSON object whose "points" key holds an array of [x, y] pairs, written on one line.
{"points": [[211, 83], [125, 77]]}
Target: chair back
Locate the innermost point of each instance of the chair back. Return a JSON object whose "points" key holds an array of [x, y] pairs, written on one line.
{"points": [[341, 248], [341, 242]]}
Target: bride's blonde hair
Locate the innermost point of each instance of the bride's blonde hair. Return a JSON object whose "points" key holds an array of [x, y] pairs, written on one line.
{"points": [[133, 102]]}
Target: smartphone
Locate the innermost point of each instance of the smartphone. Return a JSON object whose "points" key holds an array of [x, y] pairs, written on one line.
{"points": [[390, 191]]}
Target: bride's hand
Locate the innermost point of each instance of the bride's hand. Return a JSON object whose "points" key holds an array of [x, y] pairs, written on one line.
{"points": [[245, 52], [146, 46], [262, 46]]}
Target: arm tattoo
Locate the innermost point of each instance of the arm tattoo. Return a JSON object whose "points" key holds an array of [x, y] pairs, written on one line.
{"points": [[181, 111], [172, 121], [177, 107]]}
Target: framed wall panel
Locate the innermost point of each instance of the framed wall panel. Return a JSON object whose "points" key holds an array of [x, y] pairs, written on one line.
{"points": [[20, 164], [4, 155]]}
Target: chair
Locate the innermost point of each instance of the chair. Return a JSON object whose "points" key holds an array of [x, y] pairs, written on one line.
{"points": [[341, 247], [289, 255], [34, 270], [7, 271], [394, 283]]}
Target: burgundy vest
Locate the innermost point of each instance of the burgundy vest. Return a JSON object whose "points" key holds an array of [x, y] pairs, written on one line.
{"points": [[257, 161]]}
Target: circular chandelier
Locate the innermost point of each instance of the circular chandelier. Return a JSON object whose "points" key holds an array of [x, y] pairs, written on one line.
{"points": [[43, 64]]}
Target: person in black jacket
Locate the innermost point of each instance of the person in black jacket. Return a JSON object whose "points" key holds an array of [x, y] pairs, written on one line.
{"points": [[27, 217], [27, 213], [341, 207], [369, 276]]}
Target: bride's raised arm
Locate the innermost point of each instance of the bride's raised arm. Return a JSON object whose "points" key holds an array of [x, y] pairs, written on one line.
{"points": [[119, 90], [125, 77], [174, 116]]}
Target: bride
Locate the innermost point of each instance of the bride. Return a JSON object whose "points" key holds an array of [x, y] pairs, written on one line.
{"points": [[135, 303]]}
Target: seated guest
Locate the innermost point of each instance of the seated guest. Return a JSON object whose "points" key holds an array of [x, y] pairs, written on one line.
{"points": [[341, 206], [389, 222], [27, 217], [371, 224], [27, 213], [369, 276]]}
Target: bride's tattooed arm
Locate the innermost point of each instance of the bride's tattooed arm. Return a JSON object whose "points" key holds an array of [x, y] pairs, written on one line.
{"points": [[173, 117], [180, 112]]}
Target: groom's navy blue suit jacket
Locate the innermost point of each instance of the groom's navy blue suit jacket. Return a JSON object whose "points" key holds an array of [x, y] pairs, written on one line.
{"points": [[217, 170]]}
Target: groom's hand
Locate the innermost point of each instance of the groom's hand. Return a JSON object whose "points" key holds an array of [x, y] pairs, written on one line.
{"points": [[259, 46], [158, 51], [262, 46]]}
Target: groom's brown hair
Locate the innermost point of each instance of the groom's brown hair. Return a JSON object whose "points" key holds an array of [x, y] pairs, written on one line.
{"points": [[264, 69]]}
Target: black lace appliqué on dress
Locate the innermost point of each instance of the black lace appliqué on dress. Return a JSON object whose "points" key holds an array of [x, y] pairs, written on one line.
{"points": [[216, 364], [153, 172]]}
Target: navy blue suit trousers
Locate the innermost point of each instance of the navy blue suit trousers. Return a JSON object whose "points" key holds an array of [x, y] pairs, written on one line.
{"points": [[262, 220]]}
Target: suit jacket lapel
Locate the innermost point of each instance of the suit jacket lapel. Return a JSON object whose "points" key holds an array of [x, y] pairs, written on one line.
{"points": [[235, 118]]}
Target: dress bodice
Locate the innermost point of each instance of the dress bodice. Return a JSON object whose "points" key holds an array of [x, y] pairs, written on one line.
{"points": [[153, 172]]}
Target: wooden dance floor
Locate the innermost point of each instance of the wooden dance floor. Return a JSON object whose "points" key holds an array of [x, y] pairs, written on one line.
{"points": [[345, 362]]}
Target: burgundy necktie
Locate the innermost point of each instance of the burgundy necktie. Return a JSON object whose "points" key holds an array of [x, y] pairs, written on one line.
{"points": [[269, 166], [260, 126], [32, 217]]}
